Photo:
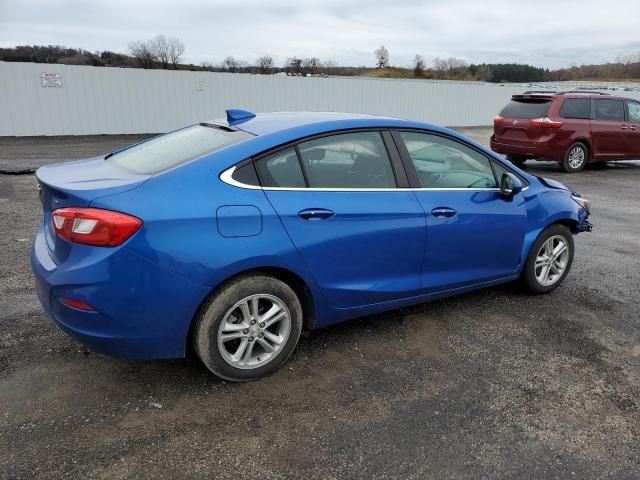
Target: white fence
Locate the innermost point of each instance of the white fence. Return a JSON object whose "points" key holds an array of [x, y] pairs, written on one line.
{"points": [[46, 99]]}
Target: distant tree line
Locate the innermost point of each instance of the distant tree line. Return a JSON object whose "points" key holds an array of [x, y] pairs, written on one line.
{"points": [[168, 53]]}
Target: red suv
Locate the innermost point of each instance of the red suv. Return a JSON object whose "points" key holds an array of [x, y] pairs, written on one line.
{"points": [[571, 128]]}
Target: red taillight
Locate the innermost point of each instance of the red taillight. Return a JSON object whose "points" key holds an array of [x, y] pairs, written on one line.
{"points": [[544, 122], [498, 119], [94, 226]]}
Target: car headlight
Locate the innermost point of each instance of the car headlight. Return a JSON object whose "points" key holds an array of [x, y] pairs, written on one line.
{"points": [[583, 202]]}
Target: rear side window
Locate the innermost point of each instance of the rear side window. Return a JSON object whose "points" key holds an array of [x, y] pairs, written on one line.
{"points": [[526, 108], [633, 112], [281, 169], [576, 108], [175, 148], [610, 110], [347, 160]]}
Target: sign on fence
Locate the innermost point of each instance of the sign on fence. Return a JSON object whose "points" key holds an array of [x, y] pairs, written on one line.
{"points": [[51, 79]]}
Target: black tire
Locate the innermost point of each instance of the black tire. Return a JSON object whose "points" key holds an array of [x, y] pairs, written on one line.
{"points": [[528, 277], [581, 151], [212, 313], [517, 160]]}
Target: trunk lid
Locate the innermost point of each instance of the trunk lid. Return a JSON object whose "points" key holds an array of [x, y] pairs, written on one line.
{"points": [[77, 184]]}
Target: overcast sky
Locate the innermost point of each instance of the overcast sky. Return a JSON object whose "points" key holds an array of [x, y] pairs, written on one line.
{"points": [[549, 33]]}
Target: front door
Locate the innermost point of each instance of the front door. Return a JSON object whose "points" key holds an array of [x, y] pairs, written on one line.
{"points": [[608, 129], [474, 234], [360, 236]]}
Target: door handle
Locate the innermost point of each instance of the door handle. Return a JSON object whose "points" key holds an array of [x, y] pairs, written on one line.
{"points": [[443, 212], [623, 127], [316, 214]]}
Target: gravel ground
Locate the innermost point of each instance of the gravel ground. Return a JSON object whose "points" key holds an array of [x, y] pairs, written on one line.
{"points": [[491, 384]]}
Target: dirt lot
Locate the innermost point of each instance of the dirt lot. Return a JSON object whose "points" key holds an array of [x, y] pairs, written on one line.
{"points": [[490, 384]]}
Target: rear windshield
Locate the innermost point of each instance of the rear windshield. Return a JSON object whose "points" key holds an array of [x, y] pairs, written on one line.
{"points": [[175, 148], [526, 108]]}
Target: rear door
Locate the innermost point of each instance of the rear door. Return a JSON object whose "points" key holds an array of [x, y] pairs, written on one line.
{"points": [[512, 126], [474, 233], [360, 235], [633, 130], [608, 129]]}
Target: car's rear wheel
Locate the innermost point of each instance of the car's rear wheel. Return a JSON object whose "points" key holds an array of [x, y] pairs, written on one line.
{"points": [[249, 328], [517, 160], [549, 260], [575, 158]]}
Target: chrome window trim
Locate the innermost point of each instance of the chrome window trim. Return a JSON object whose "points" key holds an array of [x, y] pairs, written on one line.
{"points": [[227, 177]]}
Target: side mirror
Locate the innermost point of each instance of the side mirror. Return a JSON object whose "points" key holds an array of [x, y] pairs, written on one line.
{"points": [[510, 185]]}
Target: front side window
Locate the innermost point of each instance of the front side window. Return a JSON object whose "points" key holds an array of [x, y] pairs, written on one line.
{"points": [[633, 112], [444, 163], [280, 169], [609, 110], [175, 148], [579, 108], [347, 160]]}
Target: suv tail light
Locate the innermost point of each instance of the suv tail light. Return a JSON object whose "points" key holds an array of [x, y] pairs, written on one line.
{"points": [[94, 226], [544, 122], [498, 119]]}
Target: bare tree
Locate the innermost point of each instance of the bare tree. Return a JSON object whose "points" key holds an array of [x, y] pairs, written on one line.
{"points": [[160, 50], [382, 57], [159, 47], [330, 67], [142, 53], [418, 65], [265, 64], [230, 64], [293, 65], [176, 50], [310, 65]]}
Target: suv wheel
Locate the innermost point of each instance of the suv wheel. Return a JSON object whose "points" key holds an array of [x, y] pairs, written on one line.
{"points": [[517, 160], [249, 328], [576, 158]]}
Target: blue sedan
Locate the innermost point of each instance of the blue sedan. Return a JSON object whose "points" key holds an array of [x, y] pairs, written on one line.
{"points": [[234, 235]]}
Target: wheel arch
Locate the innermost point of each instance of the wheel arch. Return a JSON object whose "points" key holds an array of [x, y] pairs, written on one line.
{"points": [[531, 237], [294, 281]]}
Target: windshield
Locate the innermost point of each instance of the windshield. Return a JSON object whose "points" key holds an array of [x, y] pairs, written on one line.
{"points": [[175, 148]]}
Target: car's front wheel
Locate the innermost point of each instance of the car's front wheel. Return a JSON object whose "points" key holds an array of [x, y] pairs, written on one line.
{"points": [[549, 260], [575, 158], [249, 328]]}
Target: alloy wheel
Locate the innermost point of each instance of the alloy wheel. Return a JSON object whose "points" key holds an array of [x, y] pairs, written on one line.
{"points": [[552, 260], [577, 157], [254, 331]]}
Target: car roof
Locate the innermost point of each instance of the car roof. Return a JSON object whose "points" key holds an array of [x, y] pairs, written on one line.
{"points": [[551, 95], [267, 123]]}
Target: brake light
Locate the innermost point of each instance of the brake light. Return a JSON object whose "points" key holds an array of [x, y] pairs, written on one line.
{"points": [[544, 122], [94, 226], [498, 119]]}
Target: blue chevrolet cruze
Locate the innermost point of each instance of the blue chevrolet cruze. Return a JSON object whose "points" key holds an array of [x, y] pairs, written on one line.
{"points": [[235, 235]]}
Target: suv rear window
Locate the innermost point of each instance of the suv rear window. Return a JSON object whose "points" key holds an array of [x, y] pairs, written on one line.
{"points": [[576, 108], [526, 108], [175, 148]]}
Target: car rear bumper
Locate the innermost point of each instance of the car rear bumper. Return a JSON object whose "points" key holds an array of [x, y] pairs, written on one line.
{"points": [[142, 311], [540, 150]]}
